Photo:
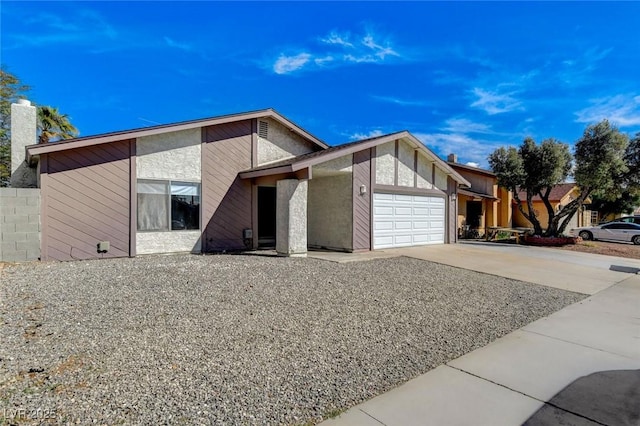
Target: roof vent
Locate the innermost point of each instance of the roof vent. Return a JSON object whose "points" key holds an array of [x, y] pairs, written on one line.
{"points": [[263, 129]]}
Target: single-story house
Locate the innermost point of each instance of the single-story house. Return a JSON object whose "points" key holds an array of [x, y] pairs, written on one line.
{"points": [[484, 204], [560, 196], [240, 181]]}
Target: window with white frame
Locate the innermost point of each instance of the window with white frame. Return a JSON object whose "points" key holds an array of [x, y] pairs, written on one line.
{"points": [[168, 205]]}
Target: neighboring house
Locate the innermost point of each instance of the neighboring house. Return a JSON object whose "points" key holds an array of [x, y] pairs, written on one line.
{"points": [[561, 195], [484, 204], [241, 181]]}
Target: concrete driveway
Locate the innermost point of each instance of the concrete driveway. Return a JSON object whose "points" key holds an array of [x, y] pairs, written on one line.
{"points": [[580, 272], [579, 366]]}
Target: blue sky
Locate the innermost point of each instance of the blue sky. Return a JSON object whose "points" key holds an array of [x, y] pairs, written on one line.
{"points": [[464, 77]]}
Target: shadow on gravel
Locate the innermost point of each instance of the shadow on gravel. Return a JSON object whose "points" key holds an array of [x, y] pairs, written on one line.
{"points": [[602, 398]]}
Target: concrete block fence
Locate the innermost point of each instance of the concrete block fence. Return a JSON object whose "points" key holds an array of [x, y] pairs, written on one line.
{"points": [[19, 224]]}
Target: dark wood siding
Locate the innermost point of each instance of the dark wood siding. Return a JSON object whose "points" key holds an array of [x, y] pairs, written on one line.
{"points": [[226, 199], [362, 203], [86, 194]]}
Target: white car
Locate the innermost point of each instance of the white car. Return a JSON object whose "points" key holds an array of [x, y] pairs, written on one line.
{"points": [[613, 231]]}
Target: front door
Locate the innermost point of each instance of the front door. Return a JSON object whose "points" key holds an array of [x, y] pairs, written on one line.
{"points": [[266, 216], [474, 214]]}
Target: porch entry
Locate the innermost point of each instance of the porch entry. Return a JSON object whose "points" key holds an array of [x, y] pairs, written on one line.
{"points": [[267, 216]]}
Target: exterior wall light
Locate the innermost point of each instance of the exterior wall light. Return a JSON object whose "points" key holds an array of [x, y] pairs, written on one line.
{"points": [[363, 189]]}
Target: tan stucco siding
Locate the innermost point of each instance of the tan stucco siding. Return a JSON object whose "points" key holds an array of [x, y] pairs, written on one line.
{"points": [[406, 160], [385, 163], [168, 242], [424, 172], [280, 143], [441, 180], [341, 164], [174, 156], [330, 214]]}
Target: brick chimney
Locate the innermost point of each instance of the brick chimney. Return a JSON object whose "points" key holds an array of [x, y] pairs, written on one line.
{"points": [[452, 158], [23, 133]]}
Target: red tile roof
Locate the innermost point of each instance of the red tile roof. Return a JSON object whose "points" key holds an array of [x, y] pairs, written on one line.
{"points": [[558, 192]]}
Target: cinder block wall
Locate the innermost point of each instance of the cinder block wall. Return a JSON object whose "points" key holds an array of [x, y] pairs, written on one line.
{"points": [[19, 224]]}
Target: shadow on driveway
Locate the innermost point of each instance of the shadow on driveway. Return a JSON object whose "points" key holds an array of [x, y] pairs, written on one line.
{"points": [[603, 398]]}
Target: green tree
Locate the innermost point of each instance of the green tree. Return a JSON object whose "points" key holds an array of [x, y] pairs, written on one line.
{"points": [[54, 125], [627, 197], [11, 89], [534, 169], [603, 162]]}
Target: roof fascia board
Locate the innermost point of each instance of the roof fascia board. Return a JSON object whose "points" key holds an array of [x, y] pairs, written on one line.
{"points": [[362, 146], [114, 137], [266, 172], [283, 120], [342, 152]]}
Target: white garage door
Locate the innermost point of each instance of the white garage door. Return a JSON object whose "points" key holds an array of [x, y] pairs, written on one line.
{"points": [[407, 220]]}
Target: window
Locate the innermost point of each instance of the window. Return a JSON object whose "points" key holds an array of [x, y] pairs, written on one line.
{"points": [[165, 205]]}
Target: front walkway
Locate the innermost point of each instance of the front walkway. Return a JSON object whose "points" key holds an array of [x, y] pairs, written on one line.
{"points": [[509, 380]]}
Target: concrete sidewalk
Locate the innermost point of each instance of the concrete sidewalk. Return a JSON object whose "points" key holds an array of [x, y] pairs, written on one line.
{"points": [[515, 377]]}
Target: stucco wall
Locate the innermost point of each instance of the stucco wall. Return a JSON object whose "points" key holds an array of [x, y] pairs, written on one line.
{"points": [[385, 163], [19, 224], [174, 156], [168, 242], [169, 156], [280, 143], [330, 214], [441, 180], [342, 164], [425, 173], [291, 217], [405, 165]]}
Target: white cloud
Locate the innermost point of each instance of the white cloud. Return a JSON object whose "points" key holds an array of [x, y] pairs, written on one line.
{"points": [[287, 64], [399, 101], [463, 125], [336, 38], [83, 27], [472, 164], [621, 110], [371, 134], [380, 50], [472, 150], [338, 49], [495, 103], [172, 43]]}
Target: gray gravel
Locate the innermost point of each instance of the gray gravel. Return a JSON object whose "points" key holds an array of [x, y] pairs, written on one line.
{"points": [[189, 339]]}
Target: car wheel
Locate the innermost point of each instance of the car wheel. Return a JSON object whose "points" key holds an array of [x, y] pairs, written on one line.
{"points": [[586, 235], [636, 240]]}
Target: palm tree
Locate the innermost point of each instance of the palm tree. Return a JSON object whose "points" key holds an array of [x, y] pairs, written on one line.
{"points": [[52, 124]]}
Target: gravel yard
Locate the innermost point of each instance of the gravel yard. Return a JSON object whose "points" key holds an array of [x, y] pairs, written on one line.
{"points": [[188, 339]]}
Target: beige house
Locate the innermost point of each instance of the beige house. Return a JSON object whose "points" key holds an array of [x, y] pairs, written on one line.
{"points": [[235, 182], [560, 196], [484, 204]]}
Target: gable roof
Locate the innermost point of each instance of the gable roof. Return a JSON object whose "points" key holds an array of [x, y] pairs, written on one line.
{"points": [[558, 192], [80, 142], [458, 166], [306, 160]]}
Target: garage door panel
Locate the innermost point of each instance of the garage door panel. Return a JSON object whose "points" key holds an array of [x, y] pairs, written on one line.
{"points": [[403, 211], [383, 225], [403, 225], [382, 196], [401, 198], [421, 225], [406, 220]]}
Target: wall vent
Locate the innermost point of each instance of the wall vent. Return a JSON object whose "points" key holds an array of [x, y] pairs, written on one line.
{"points": [[263, 129]]}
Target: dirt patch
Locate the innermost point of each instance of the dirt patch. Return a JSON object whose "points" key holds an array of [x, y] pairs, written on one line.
{"points": [[610, 249]]}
